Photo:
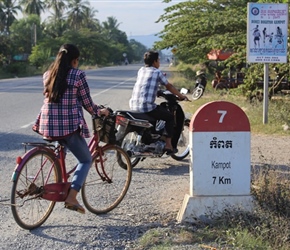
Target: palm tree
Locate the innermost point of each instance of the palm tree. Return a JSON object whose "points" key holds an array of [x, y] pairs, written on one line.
{"points": [[111, 23], [90, 21], [32, 6], [55, 25], [8, 11], [58, 7], [111, 30], [77, 10]]}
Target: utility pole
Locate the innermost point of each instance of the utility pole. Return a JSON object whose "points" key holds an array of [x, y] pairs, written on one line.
{"points": [[33, 35]]}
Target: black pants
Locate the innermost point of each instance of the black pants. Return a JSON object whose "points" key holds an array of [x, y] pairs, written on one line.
{"points": [[161, 113], [179, 123]]}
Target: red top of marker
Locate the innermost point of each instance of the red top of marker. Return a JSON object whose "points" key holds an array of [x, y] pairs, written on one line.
{"points": [[219, 116]]}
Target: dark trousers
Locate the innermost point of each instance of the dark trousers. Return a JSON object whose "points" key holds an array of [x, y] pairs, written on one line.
{"points": [[161, 113], [179, 123]]}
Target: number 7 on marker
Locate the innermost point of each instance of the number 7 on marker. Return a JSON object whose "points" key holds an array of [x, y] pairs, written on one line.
{"points": [[222, 113]]}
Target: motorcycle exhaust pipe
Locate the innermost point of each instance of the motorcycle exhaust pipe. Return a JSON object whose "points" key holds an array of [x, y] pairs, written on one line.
{"points": [[133, 154]]}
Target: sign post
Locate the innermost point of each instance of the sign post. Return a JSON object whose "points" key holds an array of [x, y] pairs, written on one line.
{"points": [[220, 161], [267, 34]]}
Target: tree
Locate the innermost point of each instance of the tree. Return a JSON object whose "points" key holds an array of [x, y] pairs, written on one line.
{"points": [[196, 27], [138, 50], [40, 56], [5, 50], [23, 32], [90, 21], [32, 6], [110, 29], [58, 7], [55, 25], [77, 10], [8, 11]]}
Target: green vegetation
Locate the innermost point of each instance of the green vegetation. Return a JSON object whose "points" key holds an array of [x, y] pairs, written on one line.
{"points": [[193, 29], [278, 111], [196, 27], [35, 43], [278, 106]]}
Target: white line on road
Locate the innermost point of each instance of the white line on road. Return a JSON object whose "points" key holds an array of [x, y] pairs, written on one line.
{"points": [[101, 92], [27, 125], [105, 90]]}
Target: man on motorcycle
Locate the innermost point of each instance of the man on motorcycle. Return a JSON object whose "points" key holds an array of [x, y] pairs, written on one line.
{"points": [[145, 91]]}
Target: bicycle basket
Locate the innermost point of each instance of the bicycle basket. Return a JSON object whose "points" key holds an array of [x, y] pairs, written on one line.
{"points": [[105, 127]]}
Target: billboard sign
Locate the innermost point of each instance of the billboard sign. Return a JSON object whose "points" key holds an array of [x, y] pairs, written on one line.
{"points": [[267, 33]]}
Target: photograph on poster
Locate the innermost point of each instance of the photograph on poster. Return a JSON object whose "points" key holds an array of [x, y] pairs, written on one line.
{"points": [[267, 32]]}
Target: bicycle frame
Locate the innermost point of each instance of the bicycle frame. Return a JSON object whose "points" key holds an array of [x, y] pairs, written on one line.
{"points": [[58, 191], [40, 178]]}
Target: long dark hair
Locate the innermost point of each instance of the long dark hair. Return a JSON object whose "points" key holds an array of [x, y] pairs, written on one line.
{"points": [[56, 83]]}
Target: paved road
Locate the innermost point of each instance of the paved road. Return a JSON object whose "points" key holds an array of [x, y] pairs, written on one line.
{"points": [[21, 99], [155, 184]]}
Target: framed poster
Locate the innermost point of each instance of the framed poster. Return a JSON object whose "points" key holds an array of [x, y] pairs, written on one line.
{"points": [[267, 33]]}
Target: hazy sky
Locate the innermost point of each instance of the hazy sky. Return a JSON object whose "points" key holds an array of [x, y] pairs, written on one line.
{"points": [[136, 17]]}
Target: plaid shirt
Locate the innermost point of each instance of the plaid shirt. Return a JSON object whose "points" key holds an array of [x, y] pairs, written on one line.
{"points": [[145, 89], [65, 117]]}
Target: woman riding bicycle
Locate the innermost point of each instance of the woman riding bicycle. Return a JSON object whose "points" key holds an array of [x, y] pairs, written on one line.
{"points": [[61, 118]]}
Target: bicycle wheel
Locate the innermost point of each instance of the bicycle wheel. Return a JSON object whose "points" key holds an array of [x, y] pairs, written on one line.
{"points": [[104, 189], [28, 208], [129, 143], [183, 143]]}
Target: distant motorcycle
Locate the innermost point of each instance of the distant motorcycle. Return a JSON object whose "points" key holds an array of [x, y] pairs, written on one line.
{"points": [[199, 86], [141, 136]]}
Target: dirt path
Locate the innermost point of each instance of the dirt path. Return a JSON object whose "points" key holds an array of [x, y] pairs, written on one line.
{"points": [[270, 149]]}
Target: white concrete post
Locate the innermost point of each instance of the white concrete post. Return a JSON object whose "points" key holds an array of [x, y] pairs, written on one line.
{"points": [[220, 161]]}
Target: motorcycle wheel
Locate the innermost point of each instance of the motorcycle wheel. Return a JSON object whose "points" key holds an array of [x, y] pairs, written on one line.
{"points": [[128, 142], [197, 93], [183, 143]]}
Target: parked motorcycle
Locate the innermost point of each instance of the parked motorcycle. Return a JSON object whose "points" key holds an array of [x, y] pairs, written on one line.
{"points": [[141, 136], [200, 85]]}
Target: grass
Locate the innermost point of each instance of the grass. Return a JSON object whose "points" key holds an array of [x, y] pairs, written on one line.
{"points": [[278, 112], [267, 227]]}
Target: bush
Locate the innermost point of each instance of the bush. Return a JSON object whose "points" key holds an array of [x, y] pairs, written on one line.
{"points": [[17, 68]]}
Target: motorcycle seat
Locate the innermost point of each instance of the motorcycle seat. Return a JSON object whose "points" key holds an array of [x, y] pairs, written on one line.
{"points": [[137, 115]]}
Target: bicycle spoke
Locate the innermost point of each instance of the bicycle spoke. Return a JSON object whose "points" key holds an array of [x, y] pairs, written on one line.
{"points": [[103, 193], [29, 209]]}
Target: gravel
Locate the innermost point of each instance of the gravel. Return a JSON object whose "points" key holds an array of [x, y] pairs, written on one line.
{"points": [[154, 198]]}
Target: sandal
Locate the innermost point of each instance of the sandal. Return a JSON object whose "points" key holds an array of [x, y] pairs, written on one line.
{"points": [[73, 207]]}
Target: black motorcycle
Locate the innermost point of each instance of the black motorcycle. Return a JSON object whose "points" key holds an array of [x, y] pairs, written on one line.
{"points": [[142, 136], [200, 85]]}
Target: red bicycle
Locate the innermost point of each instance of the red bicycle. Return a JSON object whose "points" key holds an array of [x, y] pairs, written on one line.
{"points": [[40, 178]]}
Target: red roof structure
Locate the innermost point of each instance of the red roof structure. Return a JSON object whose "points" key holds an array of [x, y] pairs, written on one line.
{"points": [[219, 54]]}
